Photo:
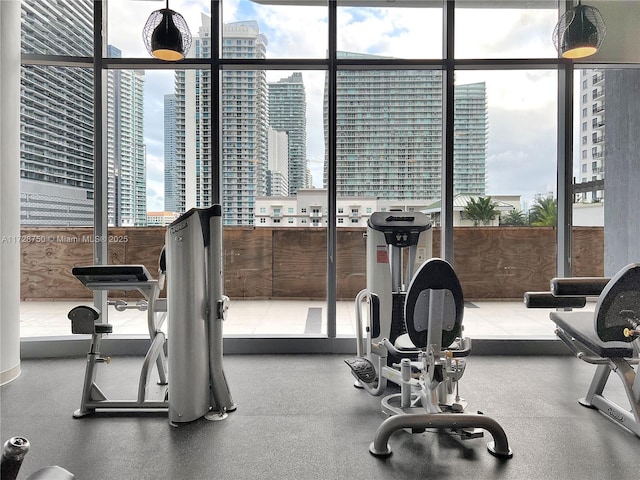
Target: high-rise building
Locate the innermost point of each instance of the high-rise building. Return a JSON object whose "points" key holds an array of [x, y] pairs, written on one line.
{"points": [[470, 139], [244, 126], [277, 173], [170, 173], [287, 112], [591, 148], [126, 155], [57, 158], [56, 154], [389, 134]]}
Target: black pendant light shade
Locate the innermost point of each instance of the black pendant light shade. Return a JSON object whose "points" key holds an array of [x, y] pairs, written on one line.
{"points": [[579, 32], [166, 35]]}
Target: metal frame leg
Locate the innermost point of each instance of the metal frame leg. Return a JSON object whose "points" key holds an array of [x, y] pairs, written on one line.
{"points": [[499, 447]]}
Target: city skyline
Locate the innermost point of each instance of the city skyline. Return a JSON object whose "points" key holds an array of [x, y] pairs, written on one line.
{"points": [[521, 153], [534, 161]]}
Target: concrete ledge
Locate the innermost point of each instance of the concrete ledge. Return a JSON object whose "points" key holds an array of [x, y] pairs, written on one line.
{"points": [[78, 345]]}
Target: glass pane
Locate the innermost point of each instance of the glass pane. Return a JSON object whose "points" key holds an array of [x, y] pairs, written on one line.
{"points": [[389, 135], [389, 150], [257, 29], [506, 30], [60, 28], [272, 145], [56, 143], [504, 241], [126, 22], [56, 192], [390, 31]]}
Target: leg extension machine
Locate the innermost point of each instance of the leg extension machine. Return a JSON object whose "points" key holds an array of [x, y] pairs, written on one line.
{"points": [[428, 360]]}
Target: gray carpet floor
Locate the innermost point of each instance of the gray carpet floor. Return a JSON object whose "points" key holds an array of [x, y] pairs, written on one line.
{"points": [[300, 418]]}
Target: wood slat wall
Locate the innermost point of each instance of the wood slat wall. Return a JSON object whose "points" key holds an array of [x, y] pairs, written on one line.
{"points": [[492, 262]]}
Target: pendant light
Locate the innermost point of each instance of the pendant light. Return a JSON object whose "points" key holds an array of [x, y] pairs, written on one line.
{"points": [[579, 32], [166, 35]]}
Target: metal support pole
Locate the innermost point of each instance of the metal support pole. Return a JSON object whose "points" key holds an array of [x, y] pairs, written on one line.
{"points": [[565, 170], [100, 162], [448, 115], [331, 175]]}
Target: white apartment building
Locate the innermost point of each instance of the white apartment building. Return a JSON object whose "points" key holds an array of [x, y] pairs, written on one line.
{"points": [[591, 149], [161, 219], [308, 208], [278, 171]]}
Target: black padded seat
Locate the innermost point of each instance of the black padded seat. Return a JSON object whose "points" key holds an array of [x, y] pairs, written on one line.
{"points": [[434, 274], [579, 325]]}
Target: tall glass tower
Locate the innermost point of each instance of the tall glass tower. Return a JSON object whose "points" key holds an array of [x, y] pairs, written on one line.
{"points": [[389, 134], [287, 113], [170, 173], [56, 164], [126, 155], [470, 139]]}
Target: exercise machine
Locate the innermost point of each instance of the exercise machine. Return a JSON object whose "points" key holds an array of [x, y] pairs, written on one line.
{"points": [[86, 319], [13, 452], [195, 308], [412, 335], [608, 338]]}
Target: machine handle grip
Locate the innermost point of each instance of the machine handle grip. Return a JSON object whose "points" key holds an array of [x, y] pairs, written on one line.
{"points": [[375, 315]]}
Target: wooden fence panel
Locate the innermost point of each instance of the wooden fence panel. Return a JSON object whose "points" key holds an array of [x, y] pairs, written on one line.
{"points": [[492, 262]]}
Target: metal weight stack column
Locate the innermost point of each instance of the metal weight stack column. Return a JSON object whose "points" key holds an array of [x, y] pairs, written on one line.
{"points": [[196, 308], [221, 401], [188, 355], [388, 271]]}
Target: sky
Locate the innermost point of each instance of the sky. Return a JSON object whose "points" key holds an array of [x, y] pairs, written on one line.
{"points": [[521, 156]]}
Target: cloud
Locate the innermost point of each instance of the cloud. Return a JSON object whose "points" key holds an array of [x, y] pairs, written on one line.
{"points": [[521, 158]]}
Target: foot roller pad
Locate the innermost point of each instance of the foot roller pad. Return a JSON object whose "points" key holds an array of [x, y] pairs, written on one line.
{"points": [[362, 368]]}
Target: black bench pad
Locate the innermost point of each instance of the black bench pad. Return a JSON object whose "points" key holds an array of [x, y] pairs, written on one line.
{"points": [[580, 325]]}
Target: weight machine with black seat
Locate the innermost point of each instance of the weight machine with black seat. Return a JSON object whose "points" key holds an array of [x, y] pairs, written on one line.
{"points": [[609, 337], [195, 308], [413, 335]]}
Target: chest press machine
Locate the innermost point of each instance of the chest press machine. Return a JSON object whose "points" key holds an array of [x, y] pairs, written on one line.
{"points": [[413, 335], [609, 337], [195, 307]]}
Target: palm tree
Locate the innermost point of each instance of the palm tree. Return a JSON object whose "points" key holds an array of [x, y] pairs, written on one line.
{"points": [[513, 218], [481, 210], [544, 212]]}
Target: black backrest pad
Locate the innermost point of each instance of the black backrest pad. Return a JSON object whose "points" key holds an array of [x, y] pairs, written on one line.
{"points": [[435, 274], [618, 306]]}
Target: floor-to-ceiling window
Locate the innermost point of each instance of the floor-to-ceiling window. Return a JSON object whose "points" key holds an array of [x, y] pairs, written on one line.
{"points": [[295, 171]]}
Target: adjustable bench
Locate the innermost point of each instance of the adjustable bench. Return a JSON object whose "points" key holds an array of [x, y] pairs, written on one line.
{"points": [[608, 338], [87, 319]]}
